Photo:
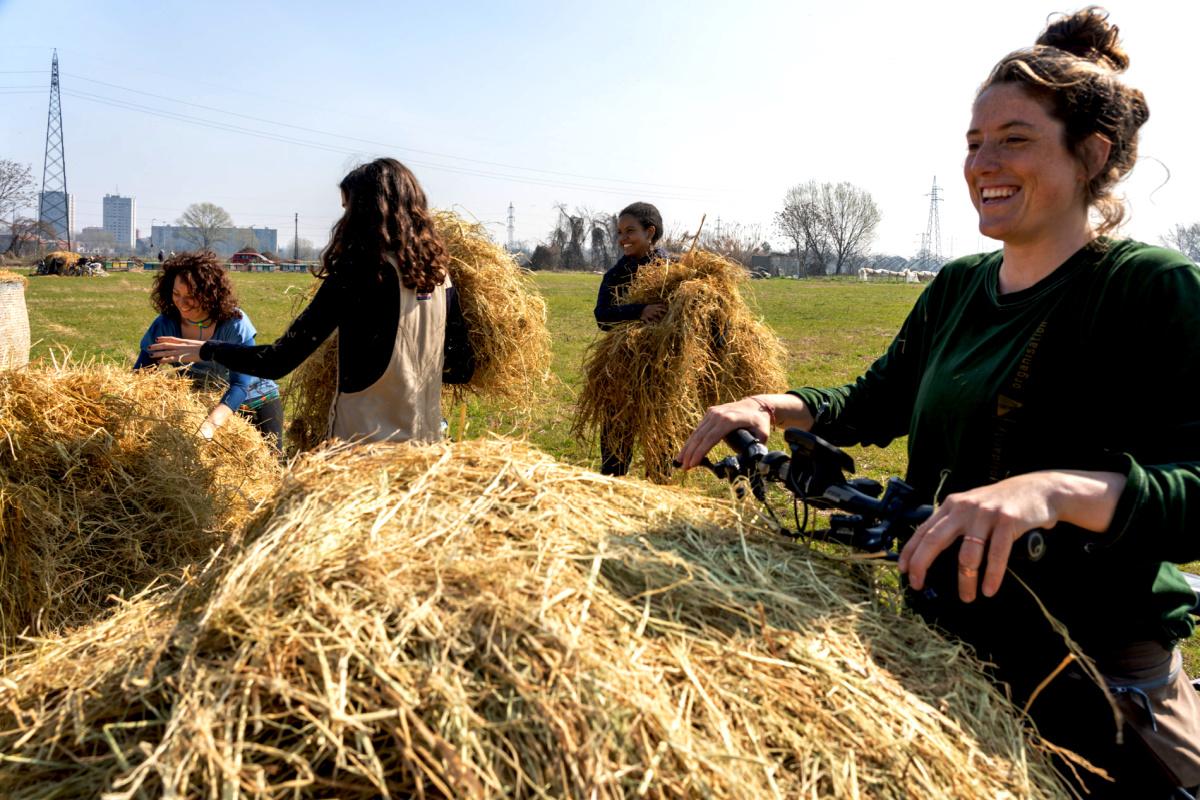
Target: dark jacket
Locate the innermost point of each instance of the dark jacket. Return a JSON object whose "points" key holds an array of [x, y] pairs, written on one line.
{"points": [[362, 307], [608, 312]]}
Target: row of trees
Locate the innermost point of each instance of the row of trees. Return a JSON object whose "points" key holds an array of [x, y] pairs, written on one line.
{"points": [[584, 239], [830, 226]]}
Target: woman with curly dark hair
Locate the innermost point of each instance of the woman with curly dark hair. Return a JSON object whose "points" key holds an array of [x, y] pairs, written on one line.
{"points": [[195, 300], [385, 289]]}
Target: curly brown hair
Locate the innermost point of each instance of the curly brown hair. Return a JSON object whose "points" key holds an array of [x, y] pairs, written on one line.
{"points": [[207, 279], [1073, 69], [386, 213]]}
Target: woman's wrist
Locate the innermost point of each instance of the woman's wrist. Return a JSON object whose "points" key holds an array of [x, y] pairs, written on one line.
{"points": [[785, 410], [1086, 499]]}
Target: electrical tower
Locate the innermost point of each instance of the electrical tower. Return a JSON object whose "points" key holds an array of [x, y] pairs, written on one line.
{"points": [[512, 225], [54, 206], [931, 242]]}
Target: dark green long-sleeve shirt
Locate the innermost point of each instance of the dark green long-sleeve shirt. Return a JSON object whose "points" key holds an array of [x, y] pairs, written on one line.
{"points": [[1094, 367]]}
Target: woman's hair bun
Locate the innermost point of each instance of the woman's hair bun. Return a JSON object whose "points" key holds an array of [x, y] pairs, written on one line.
{"points": [[1087, 34]]}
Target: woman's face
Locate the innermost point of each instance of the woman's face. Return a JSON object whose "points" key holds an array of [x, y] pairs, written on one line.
{"points": [[181, 296], [1024, 183], [635, 240]]}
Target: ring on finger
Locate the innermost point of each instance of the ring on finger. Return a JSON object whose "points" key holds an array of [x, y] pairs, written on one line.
{"points": [[976, 539], [969, 572]]}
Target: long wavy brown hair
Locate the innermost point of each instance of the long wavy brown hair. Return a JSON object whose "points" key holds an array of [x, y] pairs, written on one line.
{"points": [[386, 213], [207, 279]]}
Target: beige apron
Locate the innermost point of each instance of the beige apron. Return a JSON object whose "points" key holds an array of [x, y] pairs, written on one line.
{"points": [[406, 402]]}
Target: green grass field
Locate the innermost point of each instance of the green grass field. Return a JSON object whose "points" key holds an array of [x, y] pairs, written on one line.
{"points": [[832, 330]]}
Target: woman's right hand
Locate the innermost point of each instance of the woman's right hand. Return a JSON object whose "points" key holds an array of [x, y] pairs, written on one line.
{"points": [[654, 312], [756, 414]]}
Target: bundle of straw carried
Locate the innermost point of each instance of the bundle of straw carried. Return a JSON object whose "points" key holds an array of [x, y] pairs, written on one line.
{"points": [[505, 315], [478, 620], [647, 385], [105, 486], [506, 325], [14, 321]]}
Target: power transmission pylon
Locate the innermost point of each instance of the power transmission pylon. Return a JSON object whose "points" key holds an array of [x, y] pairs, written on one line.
{"points": [[55, 203], [511, 227], [931, 245]]}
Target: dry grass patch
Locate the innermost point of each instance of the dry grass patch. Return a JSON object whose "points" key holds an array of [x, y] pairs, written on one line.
{"points": [[105, 488], [480, 620]]}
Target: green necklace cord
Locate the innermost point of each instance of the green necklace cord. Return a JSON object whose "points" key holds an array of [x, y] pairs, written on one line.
{"points": [[202, 324]]}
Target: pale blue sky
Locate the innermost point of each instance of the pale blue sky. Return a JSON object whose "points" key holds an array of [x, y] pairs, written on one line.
{"points": [[699, 107]]}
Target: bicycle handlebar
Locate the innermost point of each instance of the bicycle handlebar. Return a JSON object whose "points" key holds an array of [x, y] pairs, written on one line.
{"points": [[875, 516]]}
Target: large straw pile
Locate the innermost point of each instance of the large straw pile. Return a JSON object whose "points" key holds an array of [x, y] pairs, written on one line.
{"points": [[14, 321], [105, 486], [506, 325], [648, 385], [477, 620]]}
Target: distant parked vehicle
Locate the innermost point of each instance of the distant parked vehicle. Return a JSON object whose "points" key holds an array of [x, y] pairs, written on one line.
{"points": [[249, 260]]}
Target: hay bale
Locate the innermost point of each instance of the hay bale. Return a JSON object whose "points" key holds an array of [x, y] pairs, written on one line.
{"points": [[506, 325], [478, 620], [14, 321], [105, 486], [648, 385], [505, 315]]}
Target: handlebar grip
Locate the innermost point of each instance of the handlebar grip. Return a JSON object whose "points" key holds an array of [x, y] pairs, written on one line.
{"points": [[745, 444]]}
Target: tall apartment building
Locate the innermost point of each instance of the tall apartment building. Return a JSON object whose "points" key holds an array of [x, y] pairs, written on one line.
{"points": [[120, 219], [51, 200]]}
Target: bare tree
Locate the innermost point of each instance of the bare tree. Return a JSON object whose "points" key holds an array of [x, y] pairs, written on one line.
{"points": [[828, 222], [851, 218], [27, 230], [802, 222], [1185, 239], [602, 237], [568, 236], [735, 241], [16, 187], [203, 225]]}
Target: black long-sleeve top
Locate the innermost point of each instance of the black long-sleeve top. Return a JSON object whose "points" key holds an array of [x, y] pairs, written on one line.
{"points": [[362, 306], [608, 312]]}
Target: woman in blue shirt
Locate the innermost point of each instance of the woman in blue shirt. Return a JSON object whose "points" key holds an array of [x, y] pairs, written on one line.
{"points": [[195, 300]]}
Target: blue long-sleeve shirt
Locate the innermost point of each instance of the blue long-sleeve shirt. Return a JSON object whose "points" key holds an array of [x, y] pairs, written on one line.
{"points": [[608, 312], [242, 387]]}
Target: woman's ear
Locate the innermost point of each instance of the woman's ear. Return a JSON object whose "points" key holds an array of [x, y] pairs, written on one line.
{"points": [[651, 232], [1095, 151]]}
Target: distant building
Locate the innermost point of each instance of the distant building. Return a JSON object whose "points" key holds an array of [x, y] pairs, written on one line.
{"points": [[120, 219], [176, 238], [48, 200]]}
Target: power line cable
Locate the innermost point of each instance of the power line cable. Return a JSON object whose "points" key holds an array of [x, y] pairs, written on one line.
{"points": [[281, 138], [381, 144]]}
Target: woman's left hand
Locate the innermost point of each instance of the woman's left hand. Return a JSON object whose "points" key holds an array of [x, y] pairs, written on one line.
{"points": [[988, 519], [173, 350]]}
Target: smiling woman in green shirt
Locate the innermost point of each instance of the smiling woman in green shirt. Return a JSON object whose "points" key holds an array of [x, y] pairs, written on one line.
{"points": [[1048, 385]]}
